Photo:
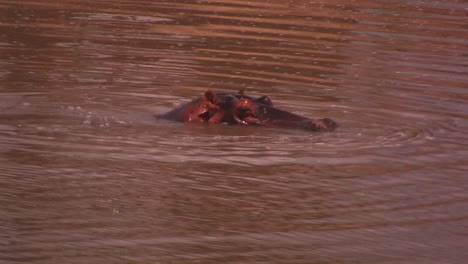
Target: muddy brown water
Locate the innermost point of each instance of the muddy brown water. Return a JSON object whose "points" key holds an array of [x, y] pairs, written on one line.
{"points": [[87, 175]]}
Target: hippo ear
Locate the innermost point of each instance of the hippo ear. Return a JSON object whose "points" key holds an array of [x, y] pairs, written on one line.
{"points": [[209, 96]]}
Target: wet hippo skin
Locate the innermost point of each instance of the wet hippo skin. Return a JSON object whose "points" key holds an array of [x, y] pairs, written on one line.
{"points": [[241, 109]]}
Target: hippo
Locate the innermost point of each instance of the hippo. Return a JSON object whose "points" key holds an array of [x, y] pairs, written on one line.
{"points": [[241, 109]]}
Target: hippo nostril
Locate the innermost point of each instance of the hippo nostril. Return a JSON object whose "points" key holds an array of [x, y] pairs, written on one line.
{"points": [[329, 123], [325, 124]]}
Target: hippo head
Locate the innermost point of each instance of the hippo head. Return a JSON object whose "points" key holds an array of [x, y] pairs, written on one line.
{"points": [[229, 108], [241, 109]]}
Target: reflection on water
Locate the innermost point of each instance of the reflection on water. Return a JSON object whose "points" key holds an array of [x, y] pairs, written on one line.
{"points": [[88, 175]]}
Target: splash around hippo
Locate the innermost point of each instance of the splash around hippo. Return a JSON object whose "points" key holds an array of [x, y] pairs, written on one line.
{"points": [[241, 109]]}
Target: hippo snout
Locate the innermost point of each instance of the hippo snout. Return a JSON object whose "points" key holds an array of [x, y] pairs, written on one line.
{"points": [[324, 124]]}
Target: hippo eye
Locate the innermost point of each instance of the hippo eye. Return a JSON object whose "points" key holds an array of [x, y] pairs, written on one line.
{"points": [[205, 115], [243, 112]]}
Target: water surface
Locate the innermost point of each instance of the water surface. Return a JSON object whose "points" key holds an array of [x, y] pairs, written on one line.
{"points": [[89, 176]]}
